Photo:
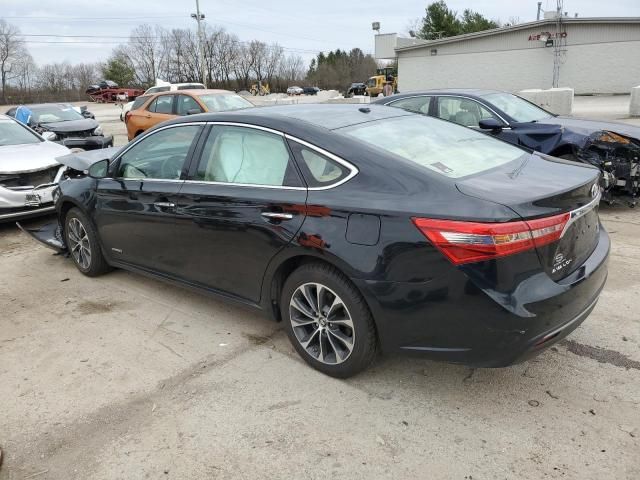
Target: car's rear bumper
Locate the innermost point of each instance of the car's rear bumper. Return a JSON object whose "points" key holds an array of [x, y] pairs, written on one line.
{"points": [[452, 319]]}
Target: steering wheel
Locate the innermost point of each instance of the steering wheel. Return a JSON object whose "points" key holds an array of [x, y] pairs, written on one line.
{"points": [[172, 167]]}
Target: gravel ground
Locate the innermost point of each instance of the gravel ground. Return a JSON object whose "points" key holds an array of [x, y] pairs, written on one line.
{"points": [[125, 377]]}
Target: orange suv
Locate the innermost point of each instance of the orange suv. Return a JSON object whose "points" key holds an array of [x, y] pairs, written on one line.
{"points": [[164, 106]]}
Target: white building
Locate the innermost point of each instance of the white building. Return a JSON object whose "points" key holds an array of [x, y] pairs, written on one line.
{"points": [[593, 55]]}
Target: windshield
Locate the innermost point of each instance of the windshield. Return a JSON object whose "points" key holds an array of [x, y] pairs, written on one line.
{"points": [[517, 108], [442, 147], [12, 133], [54, 113], [223, 102]]}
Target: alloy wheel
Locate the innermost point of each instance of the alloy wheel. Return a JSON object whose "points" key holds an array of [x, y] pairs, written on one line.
{"points": [[322, 323], [79, 243]]}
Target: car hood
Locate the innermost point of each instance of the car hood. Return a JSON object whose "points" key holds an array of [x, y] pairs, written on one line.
{"points": [[587, 127], [81, 161], [30, 157], [71, 125]]}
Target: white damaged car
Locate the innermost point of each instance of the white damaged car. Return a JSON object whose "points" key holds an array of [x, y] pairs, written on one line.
{"points": [[29, 171]]}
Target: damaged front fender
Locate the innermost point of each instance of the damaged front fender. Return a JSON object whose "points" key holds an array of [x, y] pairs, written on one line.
{"points": [[49, 234]]}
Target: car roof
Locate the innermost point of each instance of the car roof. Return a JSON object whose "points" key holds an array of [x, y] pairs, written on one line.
{"points": [[325, 116]]}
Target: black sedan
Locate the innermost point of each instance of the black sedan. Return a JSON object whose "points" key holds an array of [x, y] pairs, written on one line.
{"points": [[360, 228], [62, 123], [612, 147]]}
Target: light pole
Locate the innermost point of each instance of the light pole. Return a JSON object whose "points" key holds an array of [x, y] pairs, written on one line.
{"points": [[199, 17]]}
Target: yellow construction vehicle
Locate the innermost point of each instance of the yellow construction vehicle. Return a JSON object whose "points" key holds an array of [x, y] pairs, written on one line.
{"points": [[260, 89], [376, 83]]}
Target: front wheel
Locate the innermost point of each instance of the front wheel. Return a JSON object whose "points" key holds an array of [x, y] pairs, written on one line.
{"points": [[82, 244], [328, 321]]}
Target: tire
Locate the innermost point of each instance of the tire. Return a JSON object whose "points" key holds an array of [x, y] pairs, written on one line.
{"points": [[82, 243], [342, 341]]}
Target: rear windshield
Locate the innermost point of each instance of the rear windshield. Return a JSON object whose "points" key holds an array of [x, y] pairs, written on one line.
{"points": [[442, 147], [221, 102]]}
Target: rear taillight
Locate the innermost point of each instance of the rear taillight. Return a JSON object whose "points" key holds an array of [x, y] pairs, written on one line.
{"points": [[465, 242]]}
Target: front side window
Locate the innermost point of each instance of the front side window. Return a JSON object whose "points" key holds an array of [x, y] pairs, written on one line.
{"points": [[413, 104], [162, 104], [441, 147], [187, 104], [463, 111], [517, 108], [160, 155], [241, 155], [318, 170]]}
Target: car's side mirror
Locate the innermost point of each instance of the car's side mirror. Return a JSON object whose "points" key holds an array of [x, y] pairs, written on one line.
{"points": [[99, 169], [490, 124], [50, 136], [194, 111]]}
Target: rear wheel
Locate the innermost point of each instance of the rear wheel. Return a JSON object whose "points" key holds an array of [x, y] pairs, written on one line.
{"points": [[82, 243], [328, 321]]}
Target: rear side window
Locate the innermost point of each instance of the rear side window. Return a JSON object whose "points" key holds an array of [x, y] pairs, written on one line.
{"points": [[441, 147], [413, 104], [318, 169], [162, 104], [246, 156]]}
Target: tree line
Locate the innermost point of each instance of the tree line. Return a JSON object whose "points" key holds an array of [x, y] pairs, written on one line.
{"points": [[173, 55]]}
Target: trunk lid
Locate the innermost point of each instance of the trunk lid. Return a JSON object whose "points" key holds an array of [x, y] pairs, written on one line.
{"points": [[542, 186]]}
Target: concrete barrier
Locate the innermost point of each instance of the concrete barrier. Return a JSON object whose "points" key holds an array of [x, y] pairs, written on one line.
{"points": [[556, 100], [634, 103]]}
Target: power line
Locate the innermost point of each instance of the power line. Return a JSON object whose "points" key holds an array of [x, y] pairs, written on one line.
{"points": [[86, 42]]}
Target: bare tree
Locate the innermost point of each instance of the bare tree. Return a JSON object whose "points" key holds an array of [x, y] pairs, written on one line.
{"points": [[12, 51], [145, 53]]}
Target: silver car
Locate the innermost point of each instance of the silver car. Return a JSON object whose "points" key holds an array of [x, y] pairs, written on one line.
{"points": [[29, 171]]}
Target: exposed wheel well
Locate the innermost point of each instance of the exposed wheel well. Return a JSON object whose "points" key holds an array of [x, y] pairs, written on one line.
{"points": [[282, 273], [138, 133]]}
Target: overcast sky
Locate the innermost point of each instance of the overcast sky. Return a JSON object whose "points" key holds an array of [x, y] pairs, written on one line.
{"points": [[303, 27]]}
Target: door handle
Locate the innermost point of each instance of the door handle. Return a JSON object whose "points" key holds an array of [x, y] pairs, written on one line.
{"points": [[277, 215], [164, 205]]}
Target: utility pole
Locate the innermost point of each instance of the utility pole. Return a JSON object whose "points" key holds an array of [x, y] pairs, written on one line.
{"points": [[199, 17]]}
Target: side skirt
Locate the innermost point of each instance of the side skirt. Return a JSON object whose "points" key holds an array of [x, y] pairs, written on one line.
{"points": [[188, 285]]}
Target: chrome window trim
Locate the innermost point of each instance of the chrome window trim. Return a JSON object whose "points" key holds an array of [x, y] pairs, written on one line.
{"points": [[506, 124], [353, 170]]}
